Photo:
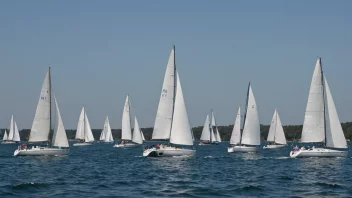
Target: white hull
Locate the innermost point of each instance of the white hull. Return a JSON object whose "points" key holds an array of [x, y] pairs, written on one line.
{"points": [[274, 146], [9, 142], [318, 152], [242, 148], [127, 145], [83, 144], [207, 143], [41, 151], [168, 152]]}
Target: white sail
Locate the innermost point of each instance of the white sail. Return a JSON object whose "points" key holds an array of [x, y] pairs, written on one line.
{"points": [[251, 129], [137, 136], [215, 128], [16, 134], [163, 119], [12, 129], [142, 135], [108, 133], [5, 136], [181, 130], [41, 123], [80, 126], [88, 137], [334, 133], [313, 125], [104, 131], [206, 130], [272, 129], [59, 136], [126, 121], [277, 130], [236, 131]]}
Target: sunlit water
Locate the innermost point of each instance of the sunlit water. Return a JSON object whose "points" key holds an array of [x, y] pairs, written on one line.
{"points": [[103, 171]]}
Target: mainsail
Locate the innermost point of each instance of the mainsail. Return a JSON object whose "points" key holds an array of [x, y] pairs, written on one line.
{"points": [[236, 131], [5, 137], [59, 136], [88, 137], [163, 119], [16, 134], [206, 130], [181, 130], [107, 131], [80, 126], [126, 121], [251, 128], [12, 129], [41, 123]]}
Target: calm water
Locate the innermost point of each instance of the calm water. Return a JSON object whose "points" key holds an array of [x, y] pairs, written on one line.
{"points": [[104, 171]]}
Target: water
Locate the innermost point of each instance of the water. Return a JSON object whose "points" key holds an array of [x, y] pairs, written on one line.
{"points": [[103, 171]]}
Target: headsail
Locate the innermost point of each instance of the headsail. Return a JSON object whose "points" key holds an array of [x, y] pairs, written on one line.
{"points": [[313, 125], [142, 135], [251, 128], [236, 131], [206, 130], [41, 123], [12, 129], [126, 121], [181, 130], [16, 134], [88, 137], [104, 131], [137, 136], [334, 133], [163, 119], [59, 136], [80, 126]]}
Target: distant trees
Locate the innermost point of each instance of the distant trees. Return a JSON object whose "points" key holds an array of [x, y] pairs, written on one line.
{"points": [[292, 132]]}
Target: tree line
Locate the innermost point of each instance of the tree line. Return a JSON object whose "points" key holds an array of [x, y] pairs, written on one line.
{"points": [[292, 132]]}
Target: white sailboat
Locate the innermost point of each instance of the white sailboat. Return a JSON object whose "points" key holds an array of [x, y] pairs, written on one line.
{"points": [[215, 131], [276, 135], [126, 130], [84, 132], [321, 122], [107, 134], [208, 136], [42, 125], [236, 131], [14, 135], [137, 136], [250, 138], [4, 137], [171, 122]]}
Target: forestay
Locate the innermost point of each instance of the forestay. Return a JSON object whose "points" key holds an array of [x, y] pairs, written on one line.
{"points": [[181, 130], [236, 131], [59, 136]]}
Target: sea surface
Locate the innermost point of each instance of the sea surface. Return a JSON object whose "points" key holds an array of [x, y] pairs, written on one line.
{"points": [[103, 171]]}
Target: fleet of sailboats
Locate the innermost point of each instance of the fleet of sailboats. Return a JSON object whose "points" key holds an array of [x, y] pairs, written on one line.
{"points": [[321, 122], [14, 135], [321, 125]]}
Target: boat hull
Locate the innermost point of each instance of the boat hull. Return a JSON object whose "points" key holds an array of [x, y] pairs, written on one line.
{"points": [[41, 151], [207, 143], [318, 152], [83, 144], [274, 146], [242, 148], [127, 145], [168, 152], [9, 142]]}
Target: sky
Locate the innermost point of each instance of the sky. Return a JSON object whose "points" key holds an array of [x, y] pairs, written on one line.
{"points": [[100, 51]]}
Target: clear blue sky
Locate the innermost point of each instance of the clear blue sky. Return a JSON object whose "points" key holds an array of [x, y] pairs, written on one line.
{"points": [[102, 50]]}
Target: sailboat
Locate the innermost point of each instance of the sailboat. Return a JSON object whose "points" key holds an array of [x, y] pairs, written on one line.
{"points": [[84, 133], [14, 135], [171, 122], [214, 128], [106, 134], [276, 136], [126, 130], [321, 122], [236, 132], [210, 134], [137, 136], [41, 127], [250, 137], [4, 137]]}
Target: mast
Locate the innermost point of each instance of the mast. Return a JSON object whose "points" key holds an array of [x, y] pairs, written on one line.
{"points": [[323, 85], [173, 99], [245, 111], [50, 101]]}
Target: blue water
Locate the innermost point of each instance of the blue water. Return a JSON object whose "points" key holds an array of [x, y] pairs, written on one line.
{"points": [[103, 171]]}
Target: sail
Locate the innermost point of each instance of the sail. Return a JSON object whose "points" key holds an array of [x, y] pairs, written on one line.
{"points": [[59, 136], [212, 135], [163, 119], [142, 136], [108, 133], [41, 123], [88, 137], [334, 133], [272, 129], [215, 128], [16, 134], [126, 121], [5, 135], [251, 129], [206, 130], [137, 136], [80, 126], [279, 132], [12, 129], [236, 131], [104, 131], [181, 130], [313, 125]]}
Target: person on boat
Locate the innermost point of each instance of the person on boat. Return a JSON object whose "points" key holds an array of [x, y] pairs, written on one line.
{"points": [[302, 148]]}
